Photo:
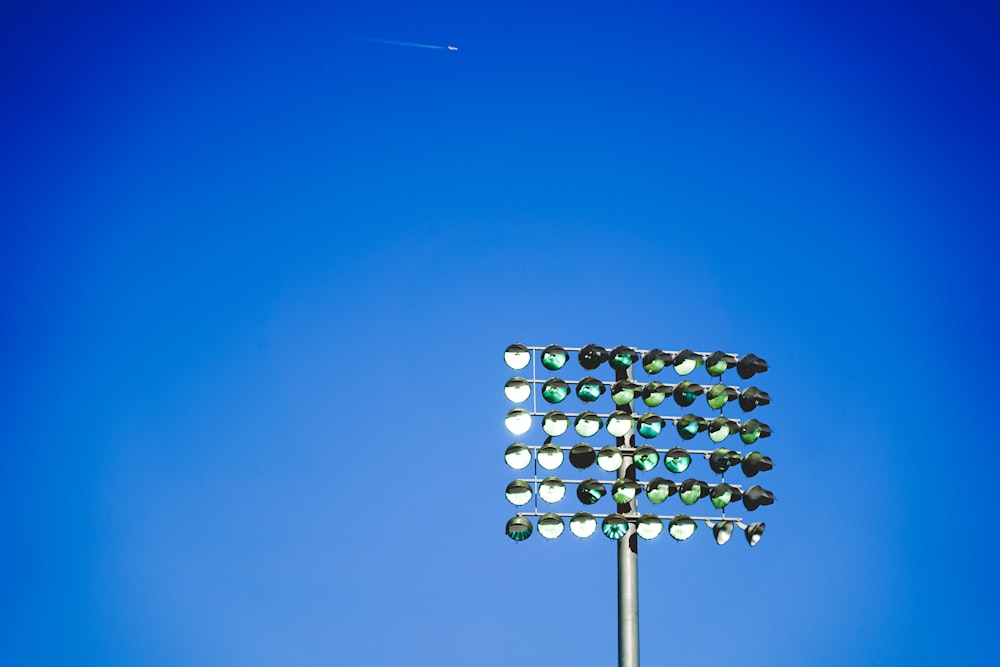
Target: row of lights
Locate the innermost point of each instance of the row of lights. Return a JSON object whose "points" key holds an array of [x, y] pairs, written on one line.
{"points": [[589, 389], [649, 425], [645, 458], [554, 357], [623, 491], [614, 526]]}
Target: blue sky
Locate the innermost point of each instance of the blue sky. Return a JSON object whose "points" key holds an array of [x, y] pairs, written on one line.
{"points": [[258, 275]]}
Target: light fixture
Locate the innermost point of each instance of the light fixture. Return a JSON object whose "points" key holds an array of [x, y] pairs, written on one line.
{"points": [[650, 425], [518, 421], [690, 425], [589, 389], [685, 393], [692, 490], [677, 460], [517, 390], [550, 526], [589, 491], [518, 492], [720, 428], [549, 457], [722, 494], [752, 429], [592, 356], [555, 423], [754, 532], [551, 490], [659, 489], [624, 491], [623, 392], [720, 460], [749, 365], [755, 462], [555, 390], [752, 397], [622, 357], [582, 456], [553, 358], [719, 362], [718, 395], [609, 459], [654, 393], [517, 356], [620, 423], [722, 530], [686, 361], [645, 458], [517, 456], [587, 424], [649, 526], [756, 496], [582, 524], [519, 529], [656, 360], [614, 526], [681, 527]]}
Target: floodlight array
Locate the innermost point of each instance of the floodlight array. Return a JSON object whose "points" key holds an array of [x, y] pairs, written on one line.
{"points": [[619, 419]]}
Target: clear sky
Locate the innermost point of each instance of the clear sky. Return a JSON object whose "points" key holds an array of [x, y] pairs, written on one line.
{"points": [[258, 269]]}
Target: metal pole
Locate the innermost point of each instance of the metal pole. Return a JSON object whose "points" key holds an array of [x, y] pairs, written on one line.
{"points": [[628, 557]]}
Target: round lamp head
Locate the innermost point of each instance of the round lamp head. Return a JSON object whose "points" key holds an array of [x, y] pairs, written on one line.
{"points": [[554, 358], [549, 457], [622, 357], [620, 423], [686, 361], [752, 429], [582, 524], [518, 493], [582, 456], [720, 428], [677, 460], [519, 529], [650, 425], [624, 491], [722, 530], [589, 389], [752, 397], [589, 491], [755, 462], [623, 392], [689, 426], [518, 421], [614, 526], [555, 390], [517, 456], [693, 490], [755, 496], [718, 395], [749, 365], [649, 526], [645, 458], [550, 526], [719, 362], [685, 393], [754, 532], [555, 423], [551, 490], [723, 494], [517, 390], [517, 356], [587, 424], [681, 527], [592, 356], [721, 459], [654, 393], [659, 489], [609, 459], [656, 360]]}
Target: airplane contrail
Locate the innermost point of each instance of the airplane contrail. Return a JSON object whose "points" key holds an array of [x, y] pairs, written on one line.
{"points": [[398, 43]]}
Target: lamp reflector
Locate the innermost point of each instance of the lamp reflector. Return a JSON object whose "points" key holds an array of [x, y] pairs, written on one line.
{"points": [[752, 429], [689, 426], [587, 424], [692, 490], [592, 356], [685, 393], [554, 357], [549, 457], [723, 494], [589, 389], [752, 397], [681, 527], [517, 456], [623, 392], [555, 423], [677, 460], [649, 526], [622, 357], [655, 361], [518, 529], [614, 526], [609, 459], [550, 526], [749, 365], [722, 530], [517, 390], [721, 459], [650, 425], [518, 492], [582, 456], [582, 524], [659, 489], [551, 490], [719, 362], [517, 356], [645, 458], [620, 423], [755, 496], [624, 491], [686, 361], [555, 390], [718, 395], [754, 532], [720, 428], [755, 462], [517, 421], [589, 491], [654, 393]]}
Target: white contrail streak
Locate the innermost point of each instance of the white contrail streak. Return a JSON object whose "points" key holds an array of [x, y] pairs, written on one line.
{"points": [[398, 43]]}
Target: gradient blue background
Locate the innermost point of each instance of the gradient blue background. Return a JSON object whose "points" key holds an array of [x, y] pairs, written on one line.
{"points": [[258, 275]]}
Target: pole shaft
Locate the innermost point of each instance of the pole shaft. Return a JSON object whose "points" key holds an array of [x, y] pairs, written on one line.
{"points": [[628, 558]]}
